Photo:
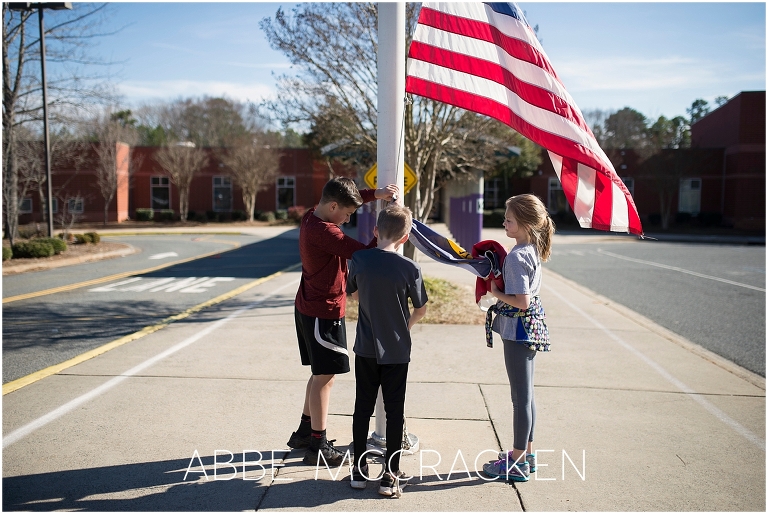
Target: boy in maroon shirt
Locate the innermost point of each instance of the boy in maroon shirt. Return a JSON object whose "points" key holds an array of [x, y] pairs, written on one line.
{"points": [[320, 304]]}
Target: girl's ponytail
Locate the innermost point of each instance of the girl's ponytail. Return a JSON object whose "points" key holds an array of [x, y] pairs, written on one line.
{"points": [[530, 212], [545, 241]]}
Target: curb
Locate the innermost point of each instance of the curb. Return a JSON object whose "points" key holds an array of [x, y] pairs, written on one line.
{"points": [[129, 250], [170, 233]]}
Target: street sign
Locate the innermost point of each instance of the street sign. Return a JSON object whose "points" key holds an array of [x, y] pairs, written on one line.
{"points": [[409, 178]]}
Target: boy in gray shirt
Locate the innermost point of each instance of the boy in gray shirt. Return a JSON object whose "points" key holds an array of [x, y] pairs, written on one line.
{"points": [[382, 281]]}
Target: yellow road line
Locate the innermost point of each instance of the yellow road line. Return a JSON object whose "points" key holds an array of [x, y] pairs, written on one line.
{"points": [[17, 384], [78, 285]]}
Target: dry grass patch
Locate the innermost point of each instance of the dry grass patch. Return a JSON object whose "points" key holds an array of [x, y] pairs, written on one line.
{"points": [[449, 304]]}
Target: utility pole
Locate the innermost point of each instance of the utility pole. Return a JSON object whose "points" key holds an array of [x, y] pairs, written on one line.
{"points": [[56, 6]]}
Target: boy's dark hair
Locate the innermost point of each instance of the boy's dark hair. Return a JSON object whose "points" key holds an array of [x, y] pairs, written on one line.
{"points": [[394, 222], [343, 191]]}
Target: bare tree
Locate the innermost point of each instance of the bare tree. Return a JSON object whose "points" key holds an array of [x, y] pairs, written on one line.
{"points": [[595, 119], [207, 121], [254, 165], [75, 80], [65, 152], [114, 152], [68, 213], [182, 161], [334, 46]]}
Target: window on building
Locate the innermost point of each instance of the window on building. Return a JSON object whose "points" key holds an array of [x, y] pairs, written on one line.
{"points": [[74, 205], [491, 193], [26, 206], [690, 196], [161, 192], [556, 201], [55, 206], [222, 194], [629, 182], [286, 188]]}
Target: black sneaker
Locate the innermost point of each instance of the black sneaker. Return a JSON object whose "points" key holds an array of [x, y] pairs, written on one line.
{"points": [[299, 441], [393, 484], [359, 478], [332, 456]]}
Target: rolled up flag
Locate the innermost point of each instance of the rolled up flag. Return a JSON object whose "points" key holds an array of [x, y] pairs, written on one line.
{"points": [[443, 250]]}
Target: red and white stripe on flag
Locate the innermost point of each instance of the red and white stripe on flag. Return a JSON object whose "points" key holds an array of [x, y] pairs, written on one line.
{"points": [[483, 57]]}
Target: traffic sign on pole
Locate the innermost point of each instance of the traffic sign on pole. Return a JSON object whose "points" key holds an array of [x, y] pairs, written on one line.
{"points": [[409, 178]]}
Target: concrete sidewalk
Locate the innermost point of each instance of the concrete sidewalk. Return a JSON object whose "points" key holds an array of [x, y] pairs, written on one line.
{"points": [[629, 418]]}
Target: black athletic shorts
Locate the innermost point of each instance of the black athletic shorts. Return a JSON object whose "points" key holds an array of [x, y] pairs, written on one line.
{"points": [[322, 344]]}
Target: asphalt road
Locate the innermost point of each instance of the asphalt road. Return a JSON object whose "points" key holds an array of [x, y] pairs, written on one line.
{"points": [[46, 330], [713, 295]]}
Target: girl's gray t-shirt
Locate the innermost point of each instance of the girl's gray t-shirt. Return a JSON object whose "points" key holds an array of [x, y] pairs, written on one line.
{"points": [[522, 275]]}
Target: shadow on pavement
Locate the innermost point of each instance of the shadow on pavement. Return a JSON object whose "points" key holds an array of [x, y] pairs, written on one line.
{"points": [[255, 260], [147, 486], [61, 326]]}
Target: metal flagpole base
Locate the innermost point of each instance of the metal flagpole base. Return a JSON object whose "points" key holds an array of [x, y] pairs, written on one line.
{"points": [[377, 444], [377, 441]]}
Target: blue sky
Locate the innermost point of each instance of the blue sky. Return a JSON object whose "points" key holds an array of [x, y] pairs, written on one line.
{"points": [[654, 57]]}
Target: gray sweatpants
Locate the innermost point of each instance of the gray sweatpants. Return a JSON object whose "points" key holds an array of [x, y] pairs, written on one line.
{"points": [[520, 365]]}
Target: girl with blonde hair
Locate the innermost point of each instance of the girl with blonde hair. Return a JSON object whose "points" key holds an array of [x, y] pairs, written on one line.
{"points": [[520, 322]]}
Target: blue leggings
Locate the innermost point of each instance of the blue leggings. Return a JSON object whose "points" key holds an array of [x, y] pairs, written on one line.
{"points": [[520, 365]]}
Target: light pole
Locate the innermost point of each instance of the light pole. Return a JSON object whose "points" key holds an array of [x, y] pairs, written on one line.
{"points": [[56, 6]]}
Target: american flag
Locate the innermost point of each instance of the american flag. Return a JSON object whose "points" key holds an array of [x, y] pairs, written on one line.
{"points": [[485, 58], [447, 251]]}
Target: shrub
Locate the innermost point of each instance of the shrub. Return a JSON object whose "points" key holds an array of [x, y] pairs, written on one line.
{"points": [[7, 253], [281, 214], [166, 215], [68, 236], [32, 249], [239, 215], [268, 216], [212, 215], [199, 217], [58, 244], [83, 238], [95, 238], [296, 212], [683, 218], [145, 214], [30, 231]]}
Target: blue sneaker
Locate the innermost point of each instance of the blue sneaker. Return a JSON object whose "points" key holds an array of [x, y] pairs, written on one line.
{"points": [[516, 472], [530, 459]]}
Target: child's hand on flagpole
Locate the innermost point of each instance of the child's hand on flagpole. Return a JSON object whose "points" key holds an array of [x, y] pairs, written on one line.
{"points": [[390, 193]]}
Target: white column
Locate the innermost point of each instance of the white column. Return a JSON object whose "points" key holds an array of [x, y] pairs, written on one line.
{"points": [[390, 135], [391, 94]]}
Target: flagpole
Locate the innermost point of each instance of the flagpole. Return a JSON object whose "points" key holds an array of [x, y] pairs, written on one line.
{"points": [[390, 137]]}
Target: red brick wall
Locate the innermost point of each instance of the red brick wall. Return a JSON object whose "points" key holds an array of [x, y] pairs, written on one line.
{"points": [[68, 181]]}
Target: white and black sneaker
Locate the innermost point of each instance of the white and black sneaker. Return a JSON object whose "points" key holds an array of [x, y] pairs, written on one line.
{"points": [[359, 477], [392, 484]]}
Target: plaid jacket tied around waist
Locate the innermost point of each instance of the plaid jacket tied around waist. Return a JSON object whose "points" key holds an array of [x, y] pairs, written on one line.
{"points": [[532, 320]]}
